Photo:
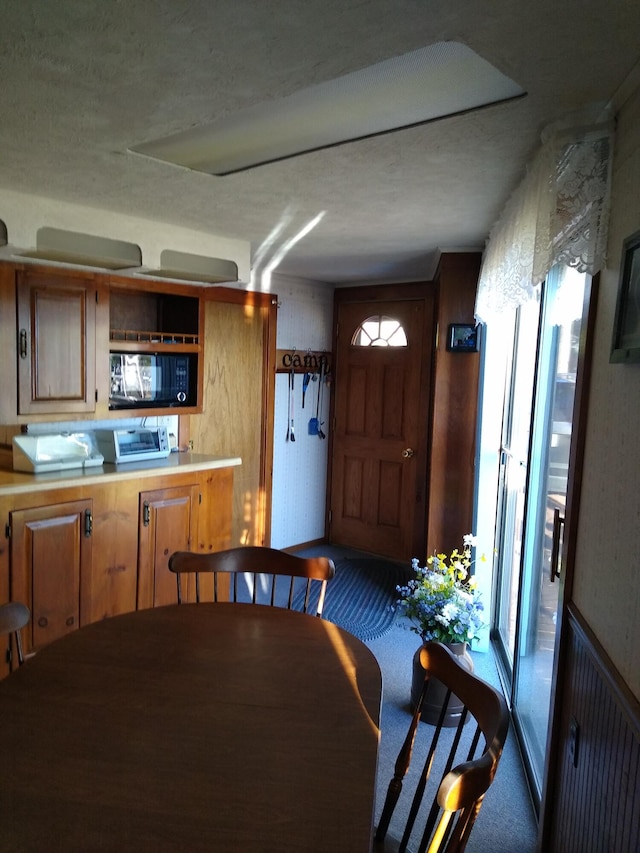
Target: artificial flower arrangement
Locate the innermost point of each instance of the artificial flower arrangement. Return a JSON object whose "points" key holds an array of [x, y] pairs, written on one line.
{"points": [[441, 601]]}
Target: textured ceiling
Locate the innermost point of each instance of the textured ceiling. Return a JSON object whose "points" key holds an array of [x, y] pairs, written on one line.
{"points": [[82, 82]]}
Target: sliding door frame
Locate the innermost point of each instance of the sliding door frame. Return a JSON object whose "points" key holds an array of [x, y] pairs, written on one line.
{"points": [[574, 486]]}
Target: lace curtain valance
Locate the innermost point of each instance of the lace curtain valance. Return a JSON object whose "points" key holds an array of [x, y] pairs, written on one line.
{"points": [[558, 214]]}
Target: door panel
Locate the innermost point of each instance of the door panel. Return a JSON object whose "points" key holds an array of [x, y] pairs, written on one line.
{"points": [[380, 433]]}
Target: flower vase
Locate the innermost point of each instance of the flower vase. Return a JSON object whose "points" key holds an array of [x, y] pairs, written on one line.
{"points": [[437, 691]]}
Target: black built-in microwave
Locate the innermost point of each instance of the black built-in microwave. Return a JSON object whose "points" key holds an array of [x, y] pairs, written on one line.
{"points": [[152, 380]]}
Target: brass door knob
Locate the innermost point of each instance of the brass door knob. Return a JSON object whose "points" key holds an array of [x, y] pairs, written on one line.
{"points": [[408, 453]]}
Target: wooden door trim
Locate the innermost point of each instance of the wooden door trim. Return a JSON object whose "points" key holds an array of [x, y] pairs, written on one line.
{"points": [[382, 293]]}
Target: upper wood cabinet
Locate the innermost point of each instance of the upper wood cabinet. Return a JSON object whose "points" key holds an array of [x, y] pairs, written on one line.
{"points": [[153, 317], [154, 326], [56, 343]]}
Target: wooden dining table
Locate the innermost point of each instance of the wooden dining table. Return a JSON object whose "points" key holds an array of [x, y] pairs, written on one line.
{"points": [[218, 727]]}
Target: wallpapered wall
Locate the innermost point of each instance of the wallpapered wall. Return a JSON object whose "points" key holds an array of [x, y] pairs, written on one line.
{"points": [[607, 572], [305, 317]]}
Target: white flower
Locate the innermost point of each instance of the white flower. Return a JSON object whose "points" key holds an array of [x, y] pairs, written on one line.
{"points": [[469, 540], [449, 612]]}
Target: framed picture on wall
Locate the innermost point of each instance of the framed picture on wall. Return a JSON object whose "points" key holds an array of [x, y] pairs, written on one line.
{"points": [[463, 337], [625, 346]]}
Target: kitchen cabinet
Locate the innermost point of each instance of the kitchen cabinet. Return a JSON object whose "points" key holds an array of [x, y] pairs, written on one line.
{"points": [[56, 343], [50, 554], [154, 326], [59, 328], [90, 545], [167, 524]]}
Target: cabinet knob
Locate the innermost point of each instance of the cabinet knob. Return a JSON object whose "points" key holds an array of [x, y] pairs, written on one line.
{"points": [[43, 622], [23, 343], [70, 621]]}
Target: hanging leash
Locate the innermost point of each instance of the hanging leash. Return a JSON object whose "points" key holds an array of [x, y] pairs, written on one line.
{"points": [[320, 389], [288, 436], [305, 384], [314, 423], [292, 435]]}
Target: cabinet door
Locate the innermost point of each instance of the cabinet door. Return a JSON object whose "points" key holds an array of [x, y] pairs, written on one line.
{"points": [[50, 549], [56, 344], [167, 523]]}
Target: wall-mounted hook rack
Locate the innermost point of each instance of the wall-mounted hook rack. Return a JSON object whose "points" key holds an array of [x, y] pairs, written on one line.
{"points": [[302, 361]]}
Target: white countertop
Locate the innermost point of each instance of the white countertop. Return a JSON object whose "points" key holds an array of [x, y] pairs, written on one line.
{"points": [[17, 482]]}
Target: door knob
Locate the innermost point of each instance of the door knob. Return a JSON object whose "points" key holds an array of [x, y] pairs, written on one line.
{"points": [[408, 453]]}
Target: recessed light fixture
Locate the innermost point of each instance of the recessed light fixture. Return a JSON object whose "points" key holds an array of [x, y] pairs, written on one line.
{"points": [[443, 79]]}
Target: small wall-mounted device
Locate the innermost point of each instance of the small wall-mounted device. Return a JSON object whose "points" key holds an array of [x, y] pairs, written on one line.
{"points": [[463, 337]]}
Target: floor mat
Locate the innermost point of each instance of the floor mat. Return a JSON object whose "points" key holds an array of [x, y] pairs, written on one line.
{"points": [[361, 596]]}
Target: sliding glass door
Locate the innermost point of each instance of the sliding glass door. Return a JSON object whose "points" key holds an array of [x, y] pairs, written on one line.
{"points": [[537, 432], [513, 477]]}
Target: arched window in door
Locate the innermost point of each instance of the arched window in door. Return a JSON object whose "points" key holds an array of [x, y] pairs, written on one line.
{"points": [[379, 331]]}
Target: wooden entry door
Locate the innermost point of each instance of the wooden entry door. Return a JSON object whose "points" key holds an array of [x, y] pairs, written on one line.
{"points": [[381, 431]]}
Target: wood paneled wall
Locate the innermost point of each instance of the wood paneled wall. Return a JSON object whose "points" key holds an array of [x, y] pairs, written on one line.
{"points": [[238, 389], [597, 799], [455, 408]]}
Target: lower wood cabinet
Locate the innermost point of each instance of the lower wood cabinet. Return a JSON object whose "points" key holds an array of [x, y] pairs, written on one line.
{"points": [[78, 554], [167, 524], [50, 554]]}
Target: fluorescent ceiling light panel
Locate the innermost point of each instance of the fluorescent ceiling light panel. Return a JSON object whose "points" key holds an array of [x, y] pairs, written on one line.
{"points": [[440, 80]]}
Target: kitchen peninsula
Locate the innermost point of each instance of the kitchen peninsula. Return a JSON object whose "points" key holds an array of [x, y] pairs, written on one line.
{"points": [[86, 544]]}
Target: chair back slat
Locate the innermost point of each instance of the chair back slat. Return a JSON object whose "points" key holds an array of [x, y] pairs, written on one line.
{"points": [[261, 567], [463, 761]]}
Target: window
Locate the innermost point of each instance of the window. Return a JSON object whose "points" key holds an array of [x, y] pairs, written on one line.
{"points": [[379, 331]]}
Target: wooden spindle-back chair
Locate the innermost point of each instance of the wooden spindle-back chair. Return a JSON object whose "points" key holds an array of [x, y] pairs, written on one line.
{"points": [[461, 778], [13, 617], [258, 563]]}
